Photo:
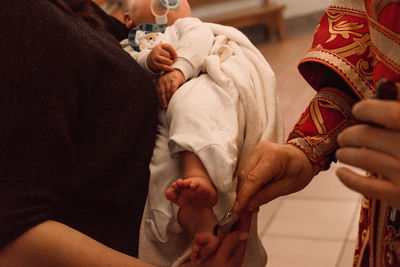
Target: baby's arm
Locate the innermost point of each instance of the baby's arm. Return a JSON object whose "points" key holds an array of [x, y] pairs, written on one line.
{"points": [[161, 58], [195, 42], [168, 84], [164, 54]]}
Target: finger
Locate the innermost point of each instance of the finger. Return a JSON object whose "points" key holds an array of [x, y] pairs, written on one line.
{"points": [[374, 138], [244, 222], [244, 188], [230, 243], [256, 172], [382, 189], [169, 91], [370, 160], [382, 112], [268, 193], [170, 50], [162, 94], [164, 61], [238, 255], [174, 88]]}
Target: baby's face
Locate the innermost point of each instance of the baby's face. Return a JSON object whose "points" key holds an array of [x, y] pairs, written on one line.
{"points": [[140, 12]]}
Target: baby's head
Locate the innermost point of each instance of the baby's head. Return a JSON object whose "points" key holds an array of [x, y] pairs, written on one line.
{"points": [[137, 12]]}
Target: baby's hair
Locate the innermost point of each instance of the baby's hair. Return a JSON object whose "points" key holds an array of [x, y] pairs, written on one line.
{"points": [[125, 4]]}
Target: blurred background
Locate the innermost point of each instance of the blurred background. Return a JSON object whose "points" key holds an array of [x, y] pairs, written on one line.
{"points": [[316, 227]]}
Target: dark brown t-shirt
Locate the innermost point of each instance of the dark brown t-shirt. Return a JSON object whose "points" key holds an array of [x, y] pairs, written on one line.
{"points": [[77, 125]]}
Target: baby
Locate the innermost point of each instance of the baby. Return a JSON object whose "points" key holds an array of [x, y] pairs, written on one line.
{"points": [[172, 45]]}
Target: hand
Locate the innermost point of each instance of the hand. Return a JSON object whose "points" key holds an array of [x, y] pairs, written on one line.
{"points": [[161, 58], [272, 170], [232, 249], [373, 148], [168, 84]]}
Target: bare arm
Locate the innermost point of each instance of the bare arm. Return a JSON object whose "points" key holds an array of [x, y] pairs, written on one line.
{"points": [[55, 244]]}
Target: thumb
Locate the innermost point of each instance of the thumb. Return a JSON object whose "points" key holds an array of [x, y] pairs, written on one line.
{"points": [[268, 193], [259, 177], [231, 243], [246, 188]]}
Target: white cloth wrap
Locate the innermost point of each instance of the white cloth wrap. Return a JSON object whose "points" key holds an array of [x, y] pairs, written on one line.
{"points": [[221, 116]]}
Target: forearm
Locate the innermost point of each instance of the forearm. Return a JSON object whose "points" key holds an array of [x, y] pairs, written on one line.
{"points": [[55, 244]]}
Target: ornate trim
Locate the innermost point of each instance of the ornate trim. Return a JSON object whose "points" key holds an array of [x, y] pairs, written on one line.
{"points": [[354, 5], [386, 47], [344, 68], [319, 146]]}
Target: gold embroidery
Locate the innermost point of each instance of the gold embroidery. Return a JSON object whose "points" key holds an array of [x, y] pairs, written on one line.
{"points": [[315, 140], [357, 47], [317, 147], [365, 203], [364, 235], [303, 120], [343, 28], [296, 133], [363, 66], [317, 118]]}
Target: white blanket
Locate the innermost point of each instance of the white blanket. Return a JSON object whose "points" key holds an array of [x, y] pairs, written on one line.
{"points": [[237, 67]]}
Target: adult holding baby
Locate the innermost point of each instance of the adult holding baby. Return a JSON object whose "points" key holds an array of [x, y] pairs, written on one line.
{"points": [[79, 120]]}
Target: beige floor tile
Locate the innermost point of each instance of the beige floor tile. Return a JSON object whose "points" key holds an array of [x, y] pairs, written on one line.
{"points": [[287, 252], [352, 236], [267, 214], [313, 219], [346, 258], [327, 185]]}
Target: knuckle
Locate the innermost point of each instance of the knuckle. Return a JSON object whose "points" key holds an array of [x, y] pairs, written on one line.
{"points": [[394, 116], [253, 176]]}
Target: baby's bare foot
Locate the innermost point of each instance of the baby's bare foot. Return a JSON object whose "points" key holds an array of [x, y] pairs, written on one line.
{"points": [[192, 191], [204, 244]]}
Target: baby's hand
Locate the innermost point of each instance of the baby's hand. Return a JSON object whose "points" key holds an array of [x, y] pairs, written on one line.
{"points": [[168, 84], [161, 58]]}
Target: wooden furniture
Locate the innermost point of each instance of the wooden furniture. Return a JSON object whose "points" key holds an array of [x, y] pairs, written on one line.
{"points": [[268, 14]]}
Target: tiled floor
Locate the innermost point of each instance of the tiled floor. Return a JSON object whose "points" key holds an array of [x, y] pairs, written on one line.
{"points": [[312, 228], [317, 226]]}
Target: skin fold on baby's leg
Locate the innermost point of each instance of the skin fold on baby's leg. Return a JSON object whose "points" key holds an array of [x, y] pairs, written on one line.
{"points": [[195, 194]]}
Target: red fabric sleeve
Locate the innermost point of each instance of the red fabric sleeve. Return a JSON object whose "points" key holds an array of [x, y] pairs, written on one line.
{"points": [[316, 132]]}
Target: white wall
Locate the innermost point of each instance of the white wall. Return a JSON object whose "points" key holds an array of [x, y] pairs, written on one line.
{"points": [[296, 8], [293, 7]]}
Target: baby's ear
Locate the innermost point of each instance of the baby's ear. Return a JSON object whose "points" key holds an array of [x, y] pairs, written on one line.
{"points": [[129, 22]]}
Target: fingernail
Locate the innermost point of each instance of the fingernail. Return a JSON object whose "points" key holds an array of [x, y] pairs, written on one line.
{"points": [[355, 108], [243, 236]]}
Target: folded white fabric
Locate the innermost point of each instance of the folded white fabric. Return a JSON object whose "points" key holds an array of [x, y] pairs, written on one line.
{"points": [[239, 78]]}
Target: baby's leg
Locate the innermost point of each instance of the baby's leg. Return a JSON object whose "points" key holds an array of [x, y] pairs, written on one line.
{"points": [[200, 224], [196, 195], [196, 188]]}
